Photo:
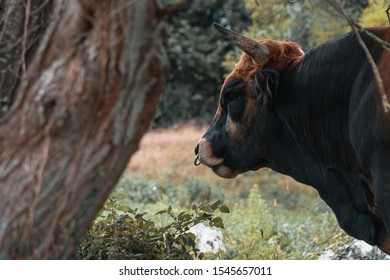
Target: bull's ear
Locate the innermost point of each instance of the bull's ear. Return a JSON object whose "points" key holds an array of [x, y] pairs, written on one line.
{"points": [[265, 84]]}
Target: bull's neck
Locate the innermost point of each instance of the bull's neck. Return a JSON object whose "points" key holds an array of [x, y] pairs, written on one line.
{"points": [[313, 108]]}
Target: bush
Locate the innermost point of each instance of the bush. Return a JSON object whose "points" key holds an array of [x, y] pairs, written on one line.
{"points": [[120, 232], [251, 227], [258, 229]]}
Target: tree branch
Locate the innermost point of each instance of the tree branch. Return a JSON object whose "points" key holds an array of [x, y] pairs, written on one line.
{"points": [[25, 35], [21, 26], [177, 7], [355, 29]]}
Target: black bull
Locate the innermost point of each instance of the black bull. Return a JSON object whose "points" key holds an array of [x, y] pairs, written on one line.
{"points": [[319, 119]]}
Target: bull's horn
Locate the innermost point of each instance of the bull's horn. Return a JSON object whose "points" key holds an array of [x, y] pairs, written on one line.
{"points": [[258, 52]]}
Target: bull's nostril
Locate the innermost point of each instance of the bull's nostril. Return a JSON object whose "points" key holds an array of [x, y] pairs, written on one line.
{"points": [[197, 149], [204, 154]]}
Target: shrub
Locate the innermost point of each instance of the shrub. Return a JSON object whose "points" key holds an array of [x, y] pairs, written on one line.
{"points": [[258, 229], [120, 232], [251, 228]]}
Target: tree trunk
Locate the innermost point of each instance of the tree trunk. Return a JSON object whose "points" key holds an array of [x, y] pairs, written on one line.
{"points": [[79, 84]]}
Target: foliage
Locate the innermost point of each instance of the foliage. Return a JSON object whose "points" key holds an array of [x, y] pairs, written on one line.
{"points": [[308, 23], [192, 88], [256, 235], [261, 230], [374, 14], [305, 22], [120, 232], [257, 226], [269, 231]]}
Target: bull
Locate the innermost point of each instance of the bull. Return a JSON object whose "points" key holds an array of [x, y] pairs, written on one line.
{"points": [[317, 117]]}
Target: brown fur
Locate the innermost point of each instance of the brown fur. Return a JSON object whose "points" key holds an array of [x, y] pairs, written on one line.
{"points": [[280, 57]]}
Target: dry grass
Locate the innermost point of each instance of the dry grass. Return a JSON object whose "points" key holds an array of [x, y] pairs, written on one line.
{"points": [[167, 151], [170, 154]]}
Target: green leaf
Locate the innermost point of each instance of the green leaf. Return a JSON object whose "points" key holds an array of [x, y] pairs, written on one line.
{"points": [[217, 222], [205, 216], [206, 208], [224, 209], [216, 204], [161, 212], [191, 238], [109, 205], [124, 208], [181, 214], [140, 216], [187, 240], [184, 217]]}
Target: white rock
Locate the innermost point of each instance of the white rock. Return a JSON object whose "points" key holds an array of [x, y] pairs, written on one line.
{"points": [[208, 239]]}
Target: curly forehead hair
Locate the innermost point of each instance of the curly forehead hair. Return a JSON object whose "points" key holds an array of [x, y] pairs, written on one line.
{"points": [[281, 54]]}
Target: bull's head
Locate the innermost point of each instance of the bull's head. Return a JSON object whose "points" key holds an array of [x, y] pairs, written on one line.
{"points": [[245, 124]]}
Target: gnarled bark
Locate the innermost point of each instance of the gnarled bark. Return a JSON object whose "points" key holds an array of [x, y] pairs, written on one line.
{"points": [[87, 77]]}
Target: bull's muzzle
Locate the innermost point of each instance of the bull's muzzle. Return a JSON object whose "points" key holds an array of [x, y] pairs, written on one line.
{"points": [[204, 154]]}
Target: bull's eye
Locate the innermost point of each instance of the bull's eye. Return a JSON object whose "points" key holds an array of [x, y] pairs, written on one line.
{"points": [[231, 98], [236, 108]]}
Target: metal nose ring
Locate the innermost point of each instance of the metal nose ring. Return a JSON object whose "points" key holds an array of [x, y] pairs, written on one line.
{"points": [[197, 161]]}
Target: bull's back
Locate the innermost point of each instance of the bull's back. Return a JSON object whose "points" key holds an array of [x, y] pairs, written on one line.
{"points": [[383, 61], [370, 123]]}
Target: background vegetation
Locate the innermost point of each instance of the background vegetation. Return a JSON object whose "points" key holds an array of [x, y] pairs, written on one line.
{"points": [[200, 57], [263, 215], [196, 70]]}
